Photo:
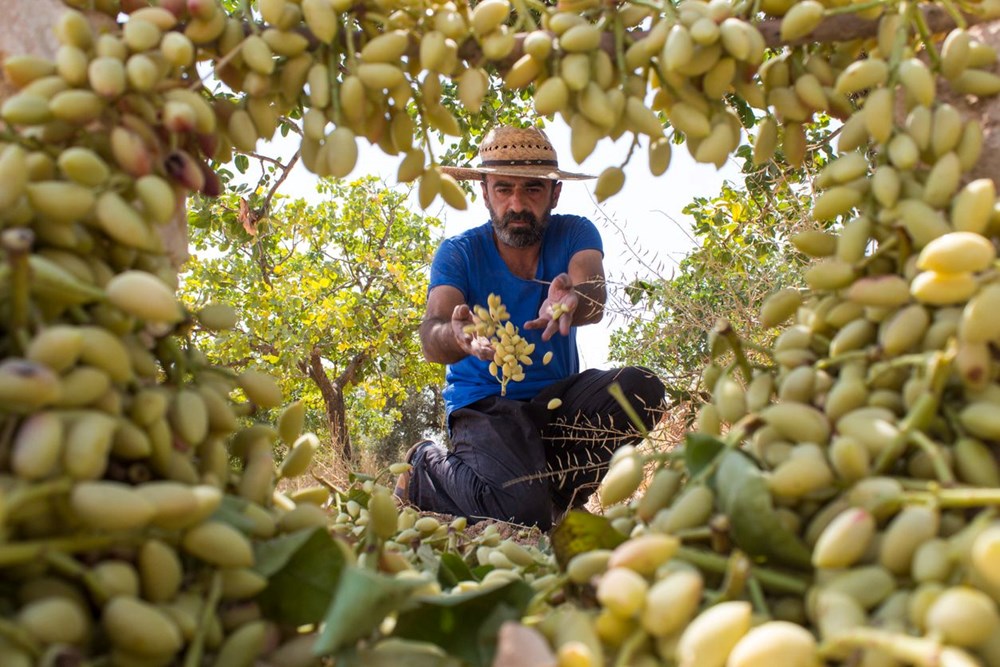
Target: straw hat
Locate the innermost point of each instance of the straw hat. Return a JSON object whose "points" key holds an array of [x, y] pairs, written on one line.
{"points": [[515, 151]]}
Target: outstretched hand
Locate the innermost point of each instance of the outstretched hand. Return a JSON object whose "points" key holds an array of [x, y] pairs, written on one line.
{"points": [[556, 313], [471, 343]]}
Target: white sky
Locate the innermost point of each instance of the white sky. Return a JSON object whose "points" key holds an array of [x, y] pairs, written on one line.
{"points": [[643, 229]]}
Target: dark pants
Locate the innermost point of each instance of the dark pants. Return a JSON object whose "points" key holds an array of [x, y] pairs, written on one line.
{"points": [[519, 461]]}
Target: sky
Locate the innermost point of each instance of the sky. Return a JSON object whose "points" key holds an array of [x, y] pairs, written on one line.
{"points": [[645, 233]]}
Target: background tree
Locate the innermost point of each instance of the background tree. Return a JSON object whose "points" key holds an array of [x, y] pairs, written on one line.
{"points": [[743, 252], [330, 296]]}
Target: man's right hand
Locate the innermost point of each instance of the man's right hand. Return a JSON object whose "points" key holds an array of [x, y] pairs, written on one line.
{"points": [[471, 343]]}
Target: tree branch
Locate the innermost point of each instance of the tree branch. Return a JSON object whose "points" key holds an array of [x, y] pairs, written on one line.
{"points": [[350, 372], [266, 158], [285, 171]]}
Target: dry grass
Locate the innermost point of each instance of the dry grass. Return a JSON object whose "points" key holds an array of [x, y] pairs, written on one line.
{"points": [[668, 432]]}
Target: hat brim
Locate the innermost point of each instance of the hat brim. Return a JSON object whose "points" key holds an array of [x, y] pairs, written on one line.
{"points": [[526, 171]]}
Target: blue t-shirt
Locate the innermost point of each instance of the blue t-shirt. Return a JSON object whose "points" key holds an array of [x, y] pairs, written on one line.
{"points": [[471, 263]]}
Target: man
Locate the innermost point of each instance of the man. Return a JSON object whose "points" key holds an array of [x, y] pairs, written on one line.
{"points": [[512, 457]]}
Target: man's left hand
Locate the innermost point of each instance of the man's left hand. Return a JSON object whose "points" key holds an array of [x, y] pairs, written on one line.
{"points": [[556, 313]]}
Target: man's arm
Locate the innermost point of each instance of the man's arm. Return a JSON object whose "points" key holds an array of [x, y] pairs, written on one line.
{"points": [[586, 270], [575, 298], [442, 335]]}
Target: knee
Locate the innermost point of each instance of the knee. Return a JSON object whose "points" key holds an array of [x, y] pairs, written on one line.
{"points": [[529, 505]]}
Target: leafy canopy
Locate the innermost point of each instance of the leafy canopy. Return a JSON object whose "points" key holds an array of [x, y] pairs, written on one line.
{"points": [[344, 279]]}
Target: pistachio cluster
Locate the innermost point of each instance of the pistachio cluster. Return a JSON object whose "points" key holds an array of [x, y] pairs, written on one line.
{"points": [[835, 501], [511, 352]]}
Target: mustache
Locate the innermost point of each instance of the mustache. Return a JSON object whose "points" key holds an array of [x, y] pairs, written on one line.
{"points": [[520, 216]]}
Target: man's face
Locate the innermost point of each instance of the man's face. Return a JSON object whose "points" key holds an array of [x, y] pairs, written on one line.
{"points": [[519, 207]]}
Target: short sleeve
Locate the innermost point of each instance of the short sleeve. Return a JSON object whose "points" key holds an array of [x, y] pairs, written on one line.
{"points": [[584, 235], [450, 267]]}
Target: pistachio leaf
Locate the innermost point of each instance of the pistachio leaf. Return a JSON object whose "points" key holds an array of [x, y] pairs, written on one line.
{"points": [[754, 525], [579, 532], [700, 450], [303, 569], [453, 570], [231, 511], [465, 625], [360, 603]]}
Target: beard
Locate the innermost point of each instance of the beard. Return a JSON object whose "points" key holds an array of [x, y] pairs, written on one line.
{"points": [[519, 237]]}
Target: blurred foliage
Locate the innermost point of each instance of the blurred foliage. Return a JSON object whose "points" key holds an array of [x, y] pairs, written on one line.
{"points": [[743, 253]]}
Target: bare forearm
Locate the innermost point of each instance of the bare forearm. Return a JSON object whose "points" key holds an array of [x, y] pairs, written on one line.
{"points": [[437, 339], [592, 295]]}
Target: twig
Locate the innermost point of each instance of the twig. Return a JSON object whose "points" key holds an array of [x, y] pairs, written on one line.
{"points": [[959, 498], [757, 597], [616, 392], [267, 158], [8, 427], [19, 637], [194, 653], [933, 451], [921, 413], [68, 566], [630, 647], [21, 495], [955, 14], [17, 244], [834, 28], [725, 330], [21, 553], [779, 582], [843, 28], [285, 171]]}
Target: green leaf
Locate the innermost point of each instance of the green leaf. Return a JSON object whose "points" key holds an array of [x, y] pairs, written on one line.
{"points": [[638, 290], [466, 625], [231, 511], [453, 569], [580, 532], [743, 110], [304, 569], [700, 450], [358, 495], [242, 162], [755, 526], [360, 603]]}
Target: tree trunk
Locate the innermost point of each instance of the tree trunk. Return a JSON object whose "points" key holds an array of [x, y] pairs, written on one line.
{"points": [[333, 400], [27, 28], [336, 414]]}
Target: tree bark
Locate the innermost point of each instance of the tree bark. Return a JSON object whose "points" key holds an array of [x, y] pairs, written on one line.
{"points": [[333, 400], [847, 27], [332, 391]]}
